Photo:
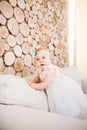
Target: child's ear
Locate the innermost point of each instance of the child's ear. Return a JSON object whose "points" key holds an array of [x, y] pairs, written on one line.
{"points": [[34, 61]]}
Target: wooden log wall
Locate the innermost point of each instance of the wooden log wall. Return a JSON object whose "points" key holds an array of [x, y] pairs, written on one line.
{"points": [[28, 24]]}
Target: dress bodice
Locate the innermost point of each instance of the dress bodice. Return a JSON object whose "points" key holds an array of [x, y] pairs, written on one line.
{"points": [[44, 72]]}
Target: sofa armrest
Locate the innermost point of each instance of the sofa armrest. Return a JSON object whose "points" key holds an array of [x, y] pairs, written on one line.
{"points": [[84, 84]]}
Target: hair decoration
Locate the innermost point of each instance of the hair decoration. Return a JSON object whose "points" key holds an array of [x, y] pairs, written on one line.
{"points": [[34, 52]]}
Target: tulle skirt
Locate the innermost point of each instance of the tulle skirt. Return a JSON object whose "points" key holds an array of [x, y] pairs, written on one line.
{"points": [[66, 97]]}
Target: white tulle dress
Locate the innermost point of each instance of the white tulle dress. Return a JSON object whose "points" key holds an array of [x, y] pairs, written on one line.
{"points": [[65, 96]]}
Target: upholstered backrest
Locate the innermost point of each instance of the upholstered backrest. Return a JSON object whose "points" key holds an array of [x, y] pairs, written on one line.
{"points": [[73, 72]]}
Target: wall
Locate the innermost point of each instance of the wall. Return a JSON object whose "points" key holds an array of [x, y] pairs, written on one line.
{"points": [[81, 36], [28, 24], [71, 32]]}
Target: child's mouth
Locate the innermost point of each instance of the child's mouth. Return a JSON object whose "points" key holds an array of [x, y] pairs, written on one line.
{"points": [[42, 64]]}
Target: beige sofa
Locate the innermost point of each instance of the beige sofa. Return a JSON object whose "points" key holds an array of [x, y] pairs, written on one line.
{"points": [[23, 118], [15, 117]]}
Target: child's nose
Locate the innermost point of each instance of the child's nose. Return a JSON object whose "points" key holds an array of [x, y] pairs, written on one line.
{"points": [[41, 60]]}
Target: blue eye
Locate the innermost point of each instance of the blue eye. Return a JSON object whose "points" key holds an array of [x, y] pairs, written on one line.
{"points": [[43, 57], [37, 59]]}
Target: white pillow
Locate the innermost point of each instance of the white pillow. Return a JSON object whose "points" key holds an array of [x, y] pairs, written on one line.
{"points": [[15, 90], [72, 72]]}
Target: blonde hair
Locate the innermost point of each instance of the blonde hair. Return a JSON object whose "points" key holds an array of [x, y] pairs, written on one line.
{"points": [[42, 48]]}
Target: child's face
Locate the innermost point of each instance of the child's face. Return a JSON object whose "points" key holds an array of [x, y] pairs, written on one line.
{"points": [[42, 59]]}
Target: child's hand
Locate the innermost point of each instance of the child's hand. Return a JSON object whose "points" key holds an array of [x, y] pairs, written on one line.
{"points": [[30, 83]]}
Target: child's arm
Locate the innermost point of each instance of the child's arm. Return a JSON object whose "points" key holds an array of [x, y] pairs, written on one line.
{"points": [[47, 81], [35, 80]]}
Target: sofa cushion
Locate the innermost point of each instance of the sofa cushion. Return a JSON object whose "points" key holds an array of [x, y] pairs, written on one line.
{"points": [[73, 72], [15, 90]]}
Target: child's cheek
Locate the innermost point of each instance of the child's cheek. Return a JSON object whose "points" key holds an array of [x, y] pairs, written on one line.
{"points": [[37, 64]]}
